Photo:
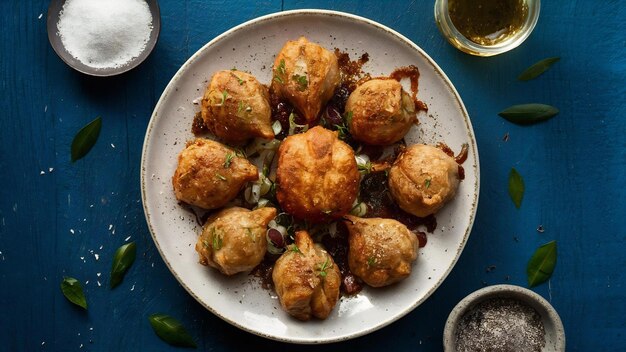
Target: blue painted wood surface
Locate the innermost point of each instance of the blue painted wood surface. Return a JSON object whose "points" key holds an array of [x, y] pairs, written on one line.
{"points": [[56, 216]]}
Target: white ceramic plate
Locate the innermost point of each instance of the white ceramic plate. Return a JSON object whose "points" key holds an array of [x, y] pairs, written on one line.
{"points": [[252, 46]]}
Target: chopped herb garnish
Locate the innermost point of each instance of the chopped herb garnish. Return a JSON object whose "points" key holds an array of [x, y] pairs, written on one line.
{"points": [[217, 240], [366, 168], [280, 71], [234, 69], [302, 82], [324, 266], [241, 81], [427, 183], [224, 96], [220, 177], [295, 248], [281, 67], [229, 159], [371, 261], [348, 118]]}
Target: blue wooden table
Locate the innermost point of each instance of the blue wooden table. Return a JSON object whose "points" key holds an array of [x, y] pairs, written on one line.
{"points": [[59, 218]]}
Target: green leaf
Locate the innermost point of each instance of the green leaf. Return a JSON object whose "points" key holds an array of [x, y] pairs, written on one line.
{"points": [[85, 139], [122, 260], [541, 265], [516, 187], [537, 69], [528, 114], [73, 291], [171, 331]]}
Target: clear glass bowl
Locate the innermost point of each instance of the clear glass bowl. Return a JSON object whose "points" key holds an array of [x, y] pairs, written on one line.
{"points": [[444, 22]]}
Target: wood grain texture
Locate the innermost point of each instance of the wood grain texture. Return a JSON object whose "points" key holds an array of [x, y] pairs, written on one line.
{"points": [[574, 168]]}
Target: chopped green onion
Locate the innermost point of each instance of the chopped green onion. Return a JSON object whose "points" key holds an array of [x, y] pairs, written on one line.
{"points": [[277, 127]]}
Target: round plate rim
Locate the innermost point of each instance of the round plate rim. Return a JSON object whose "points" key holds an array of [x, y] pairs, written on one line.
{"points": [[473, 147]]}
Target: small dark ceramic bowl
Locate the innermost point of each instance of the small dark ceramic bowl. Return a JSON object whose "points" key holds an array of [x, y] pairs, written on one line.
{"points": [[55, 40], [555, 334]]}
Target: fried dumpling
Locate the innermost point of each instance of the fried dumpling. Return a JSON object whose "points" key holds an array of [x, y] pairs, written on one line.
{"points": [[209, 174], [306, 75], [423, 179], [382, 251], [233, 240], [306, 279], [235, 107], [382, 112], [317, 176]]}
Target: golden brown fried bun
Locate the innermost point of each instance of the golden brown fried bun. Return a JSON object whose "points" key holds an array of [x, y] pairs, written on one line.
{"points": [[381, 250], [306, 75], [382, 112], [306, 279], [209, 174], [317, 176], [235, 107], [233, 240], [423, 179]]}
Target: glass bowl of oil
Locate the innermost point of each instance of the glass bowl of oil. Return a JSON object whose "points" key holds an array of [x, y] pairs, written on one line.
{"points": [[486, 27]]}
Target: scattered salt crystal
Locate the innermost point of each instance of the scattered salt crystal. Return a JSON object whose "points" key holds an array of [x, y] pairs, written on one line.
{"points": [[99, 284], [40, 16], [72, 231], [81, 346], [42, 172], [45, 109], [110, 227], [105, 34], [82, 258], [112, 145], [127, 238], [132, 288], [50, 169], [91, 206], [43, 343], [87, 282], [90, 329], [97, 256], [101, 247], [98, 274]]}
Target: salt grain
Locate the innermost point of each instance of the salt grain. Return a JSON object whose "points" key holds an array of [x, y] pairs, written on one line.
{"points": [[105, 34], [500, 325]]}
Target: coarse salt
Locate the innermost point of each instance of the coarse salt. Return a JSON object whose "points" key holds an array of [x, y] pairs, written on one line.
{"points": [[105, 34]]}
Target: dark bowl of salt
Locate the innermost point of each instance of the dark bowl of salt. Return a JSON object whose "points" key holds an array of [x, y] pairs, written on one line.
{"points": [[103, 38], [504, 318]]}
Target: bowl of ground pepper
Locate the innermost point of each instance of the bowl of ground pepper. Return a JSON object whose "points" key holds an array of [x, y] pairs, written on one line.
{"points": [[504, 318], [486, 27]]}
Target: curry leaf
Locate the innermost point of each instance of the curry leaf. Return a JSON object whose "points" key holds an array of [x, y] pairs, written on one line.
{"points": [[122, 260], [542, 263], [516, 187], [171, 331], [537, 69], [73, 291], [528, 114], [85, 139]]}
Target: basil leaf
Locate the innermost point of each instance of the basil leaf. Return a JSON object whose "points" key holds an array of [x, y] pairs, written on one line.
{"points": [[73, 291], [171, 331], [85, 139], [537, 69], [528, 114], [122, 260], [541, 265], [516, 187]]}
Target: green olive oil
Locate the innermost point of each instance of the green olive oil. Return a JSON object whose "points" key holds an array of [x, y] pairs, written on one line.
{"points": [[488, 22]]}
